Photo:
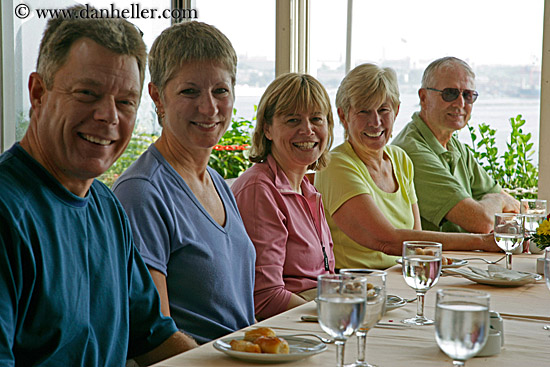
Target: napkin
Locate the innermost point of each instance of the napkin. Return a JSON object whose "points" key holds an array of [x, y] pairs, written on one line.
{"points": [[500, 273]]}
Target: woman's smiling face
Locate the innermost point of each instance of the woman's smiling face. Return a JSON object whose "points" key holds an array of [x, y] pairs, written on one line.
{"points": [[369, 129], [297, 139], [197, 104]]}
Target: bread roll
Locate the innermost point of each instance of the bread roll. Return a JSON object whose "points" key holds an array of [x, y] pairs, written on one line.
{"points": [[253, 334], [272, 344], [245, 346]]}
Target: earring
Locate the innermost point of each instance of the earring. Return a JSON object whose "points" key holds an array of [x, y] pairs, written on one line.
{"points": [[160, 115]]}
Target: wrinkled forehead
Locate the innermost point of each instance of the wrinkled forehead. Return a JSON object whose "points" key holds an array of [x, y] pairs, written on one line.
{"points": [[453, 76]]}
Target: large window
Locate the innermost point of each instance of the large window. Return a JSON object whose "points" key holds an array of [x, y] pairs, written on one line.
{"points": [[27, 36], [500, 39], [250, 26]]}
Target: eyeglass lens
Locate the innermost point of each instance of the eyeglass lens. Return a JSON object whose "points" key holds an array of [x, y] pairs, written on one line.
{"points": [[450, 94]]}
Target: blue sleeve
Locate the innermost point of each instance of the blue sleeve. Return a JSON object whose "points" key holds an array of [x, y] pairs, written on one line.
{"points": [[148, 327], [8, 294], [151, 220]]}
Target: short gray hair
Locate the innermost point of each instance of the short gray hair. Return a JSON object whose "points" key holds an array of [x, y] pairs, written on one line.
{"points": [[448, 62]]}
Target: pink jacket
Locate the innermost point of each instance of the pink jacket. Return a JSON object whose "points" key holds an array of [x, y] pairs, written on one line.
{"points": [[289, 231]]}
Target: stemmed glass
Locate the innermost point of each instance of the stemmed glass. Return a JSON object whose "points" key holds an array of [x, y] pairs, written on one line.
{"points": [[461, 323], [534, 212], [421, 270], [376, 305], [509, 232], [547, 273], [341, 304]]}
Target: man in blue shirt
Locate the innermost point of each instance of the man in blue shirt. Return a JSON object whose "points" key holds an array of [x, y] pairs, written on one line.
{"points": [[74, 290]]}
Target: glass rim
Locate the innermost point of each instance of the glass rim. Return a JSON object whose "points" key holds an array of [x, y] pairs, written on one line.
{"points": [[423, 243], [533, 200], [464, 293], [334, 277], [363, 271], [510, 215]]}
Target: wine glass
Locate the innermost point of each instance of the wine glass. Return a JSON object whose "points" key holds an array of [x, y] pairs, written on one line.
{"points": [[421, 270], [341, 304], [509, 228], [461, 323], [547, 273], [534, 212], [376, 305]]}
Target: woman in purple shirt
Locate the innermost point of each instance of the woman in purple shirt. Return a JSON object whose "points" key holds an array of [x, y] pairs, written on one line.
{"points": [[282, 211]]}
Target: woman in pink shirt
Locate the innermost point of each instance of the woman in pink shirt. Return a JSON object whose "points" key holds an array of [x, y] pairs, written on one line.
{"points": [[282, 211]]}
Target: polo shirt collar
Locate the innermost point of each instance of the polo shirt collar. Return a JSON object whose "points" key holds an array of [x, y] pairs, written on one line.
{"points": [[428, 135], [281, 181], [451, 155]]}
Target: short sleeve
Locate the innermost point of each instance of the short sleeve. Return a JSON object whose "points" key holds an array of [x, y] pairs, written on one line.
{"points": [[342, 180], [150, 219], [148, 327], [406, 176], [265, 225], [482, 183], [9, 279], [437, 189]]}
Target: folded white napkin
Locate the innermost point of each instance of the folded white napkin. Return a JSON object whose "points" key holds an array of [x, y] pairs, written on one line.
{"points": [[498, 272]]}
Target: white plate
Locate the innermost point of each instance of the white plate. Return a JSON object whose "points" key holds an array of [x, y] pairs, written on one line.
{"points": [[498, 282], [457, 263], [299, 348], [393, 301]]}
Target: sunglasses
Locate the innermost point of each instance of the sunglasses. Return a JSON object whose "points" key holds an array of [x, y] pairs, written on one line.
{"points": [[450, 94]]}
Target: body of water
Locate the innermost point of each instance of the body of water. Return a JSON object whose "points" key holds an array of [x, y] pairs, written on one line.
{"points": [[496, 112]]}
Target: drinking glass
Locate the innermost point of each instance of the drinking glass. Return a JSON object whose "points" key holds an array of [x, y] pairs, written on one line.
{"points": [[376, 305], [534, 212], [547, 273], [341, 304], [509, 229], [421, 270], [461, 323]]}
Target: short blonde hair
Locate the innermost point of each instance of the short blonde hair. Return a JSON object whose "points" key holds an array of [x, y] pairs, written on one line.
{"points": [[368, 85], [290, 93]]}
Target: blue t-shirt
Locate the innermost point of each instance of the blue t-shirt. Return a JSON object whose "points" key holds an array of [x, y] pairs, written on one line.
{"points": [[209, 268], [73, 288]]}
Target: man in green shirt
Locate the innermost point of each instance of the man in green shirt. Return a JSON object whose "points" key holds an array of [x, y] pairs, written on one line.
{"points": [[455, 194]]}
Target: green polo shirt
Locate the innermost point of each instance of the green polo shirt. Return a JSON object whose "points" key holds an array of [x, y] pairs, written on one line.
{"points": [[442, 177]]}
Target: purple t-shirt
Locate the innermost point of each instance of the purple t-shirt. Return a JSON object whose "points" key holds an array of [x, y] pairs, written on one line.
{"points": [[209, 268]]}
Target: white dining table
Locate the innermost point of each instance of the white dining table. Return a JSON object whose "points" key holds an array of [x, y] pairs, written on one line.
{"points": [[525, 310]]}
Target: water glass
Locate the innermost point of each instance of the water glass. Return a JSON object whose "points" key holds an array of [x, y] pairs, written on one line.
{"points": [[376, 307], [421, 270], [547, 274], [509, 232], [534, 212], [341, 305], [461, 323]]}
